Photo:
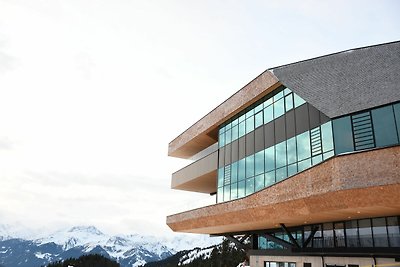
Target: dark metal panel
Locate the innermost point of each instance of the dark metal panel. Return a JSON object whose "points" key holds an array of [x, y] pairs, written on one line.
{"points": [[259, 139], [290, 124], [302, 122], [228, 154], [280, 130], [249, 143], [235, 150], [269, 134], [314, 116], [242, 146], [323, 118], [221, 157]]}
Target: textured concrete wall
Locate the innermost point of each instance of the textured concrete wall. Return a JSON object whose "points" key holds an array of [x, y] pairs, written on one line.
{"points": [[357, 185]]}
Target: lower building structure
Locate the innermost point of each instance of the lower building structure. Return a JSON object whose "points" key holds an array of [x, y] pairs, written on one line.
{"points": [[303, 163]]}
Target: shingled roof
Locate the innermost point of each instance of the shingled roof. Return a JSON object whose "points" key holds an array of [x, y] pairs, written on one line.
{"points": [[348, 81]]}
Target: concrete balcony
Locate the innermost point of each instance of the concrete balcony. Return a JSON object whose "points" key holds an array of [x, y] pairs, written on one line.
{"points": [[200, 176], [351, 186]]}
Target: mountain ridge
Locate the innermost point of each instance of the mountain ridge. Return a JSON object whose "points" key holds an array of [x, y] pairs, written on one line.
{"points": [[131, 250]]}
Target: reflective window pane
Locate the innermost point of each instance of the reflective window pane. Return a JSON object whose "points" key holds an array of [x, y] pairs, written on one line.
{"points": [[241, 188], [280, 154], [352, 233], [241, 169], [249, 186], [249, 113], [220, 194], [298, 101], [242, 129], [339, 235], [291, 150], [221, 140], [316, 159], [249, 166], [380, 233], [227, 192], [268, 114], [303, 146], [343, 135], [234, 192], [228, 136], [269, 178], [287, 91], [393, 231], [242, 118], [278, 96], [281, 174], [288, 102], [258, 108], [235, 132], [327, 137], [220, 177], [396, 108], [259, 119], [292, 169], [279, 108], [269, 158], [250, 124], [328, 235], [303, 165], [365, 233], [384, 126], [262, 242], [234, 172], [235, 122], [259, 182], [259, 162], [328, 155]]}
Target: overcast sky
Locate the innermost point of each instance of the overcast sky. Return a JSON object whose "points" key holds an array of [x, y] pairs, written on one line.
{"points": [[92, 92]]}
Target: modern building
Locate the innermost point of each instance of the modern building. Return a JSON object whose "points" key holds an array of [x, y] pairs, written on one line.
{"points": [[304, 161]]}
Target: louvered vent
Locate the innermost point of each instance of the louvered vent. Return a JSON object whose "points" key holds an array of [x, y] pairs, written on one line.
{"points": [[363, 131], [316, 143], [227, 178]]}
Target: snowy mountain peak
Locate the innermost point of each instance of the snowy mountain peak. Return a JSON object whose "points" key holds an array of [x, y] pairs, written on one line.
{"points": [[85, 229], [131, 250]]}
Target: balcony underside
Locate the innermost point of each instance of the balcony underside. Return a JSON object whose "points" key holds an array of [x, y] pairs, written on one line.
{"points": [[347, 187]]}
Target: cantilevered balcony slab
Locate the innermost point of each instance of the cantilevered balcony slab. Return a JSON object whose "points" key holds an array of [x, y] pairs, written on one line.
{"points": [[204, 132], [351, 186], [200, 176]]}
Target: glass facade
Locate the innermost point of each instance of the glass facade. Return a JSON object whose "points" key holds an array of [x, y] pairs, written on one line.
{"points": [[263, 112], [272, 164], [282, 135], [364, 233]]}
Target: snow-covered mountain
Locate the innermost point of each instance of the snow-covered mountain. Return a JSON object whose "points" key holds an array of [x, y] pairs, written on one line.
{"points": [[129, 250]]}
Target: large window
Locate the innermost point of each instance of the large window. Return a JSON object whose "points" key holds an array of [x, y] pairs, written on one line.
{"points": [[273, 164], [267, 109], [372, 232], [378, 127], [279, 264]]}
